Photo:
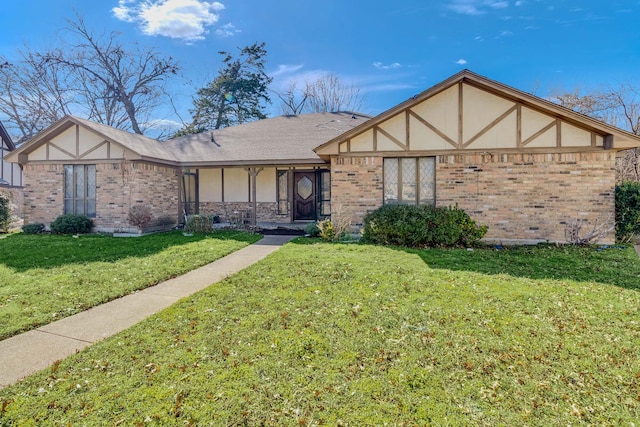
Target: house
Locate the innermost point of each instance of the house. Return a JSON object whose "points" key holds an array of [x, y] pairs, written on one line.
{"points": [[240, 173], [10, 173], [515, 162]]}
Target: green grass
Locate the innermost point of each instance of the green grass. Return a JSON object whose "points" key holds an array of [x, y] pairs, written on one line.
{"points": [[322, 334], [46, 277]]}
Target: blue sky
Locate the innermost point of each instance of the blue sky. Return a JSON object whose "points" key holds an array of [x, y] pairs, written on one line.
{"points": [[391, 50]]}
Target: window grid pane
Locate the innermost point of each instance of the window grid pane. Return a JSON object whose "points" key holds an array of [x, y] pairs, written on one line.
{"points": [[390, 180], [408, 187], [427, 180]]}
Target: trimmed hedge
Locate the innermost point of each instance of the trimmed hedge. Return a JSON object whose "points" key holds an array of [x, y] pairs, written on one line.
{"points": [[420, 226], [198, 224], [627, 211], [35, 228], [71, 224], [5, 213]]}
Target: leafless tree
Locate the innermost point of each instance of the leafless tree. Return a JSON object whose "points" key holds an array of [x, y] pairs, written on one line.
{"points": [[92, 75], [31, 96], [618, 106], [325, 94], [119, 86]]}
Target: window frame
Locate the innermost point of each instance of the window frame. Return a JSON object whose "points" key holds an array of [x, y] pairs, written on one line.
{"points": [[399, 181], [71, 196]]}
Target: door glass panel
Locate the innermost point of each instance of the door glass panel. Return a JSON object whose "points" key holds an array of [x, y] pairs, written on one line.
{"points": [[79, 182], [305, 187]]}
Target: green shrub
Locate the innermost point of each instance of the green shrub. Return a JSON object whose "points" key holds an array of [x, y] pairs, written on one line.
{"points": [[422, 225], [198, 224], [35, 228], [627, 211], [5, 213], [71, 224], [327, 231], [312, 229]]}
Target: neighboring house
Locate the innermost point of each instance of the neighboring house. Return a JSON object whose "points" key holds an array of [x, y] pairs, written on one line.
{"points": [[10, 176], [10, 173], [515, 162]]}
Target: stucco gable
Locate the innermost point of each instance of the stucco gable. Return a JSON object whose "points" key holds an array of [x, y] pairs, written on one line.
{"points": [[468, 112], [74, 139]]}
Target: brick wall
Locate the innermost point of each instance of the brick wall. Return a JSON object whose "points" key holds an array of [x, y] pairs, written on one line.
{"points": [[267, 211], [356, 186], [118, 187], [524, 197]]}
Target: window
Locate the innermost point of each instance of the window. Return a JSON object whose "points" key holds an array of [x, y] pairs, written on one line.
{"points": [[410, 180], [324, 193], [80, 190], [283, 192]]}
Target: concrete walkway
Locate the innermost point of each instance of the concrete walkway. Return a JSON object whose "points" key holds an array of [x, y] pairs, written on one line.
{"points": [[27, 353]]}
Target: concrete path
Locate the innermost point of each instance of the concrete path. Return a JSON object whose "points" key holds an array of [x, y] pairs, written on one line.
{"points": [[27, 353]]}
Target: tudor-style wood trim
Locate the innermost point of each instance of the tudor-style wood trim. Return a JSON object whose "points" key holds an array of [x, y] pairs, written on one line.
{"points": [[94, 148], [476, 151], [537, 134], [519, 125], [558, 132], [490, 126], [407, 133], [78, 141], [593, 139], [460, 115], [435, 130], [392, 138], [375, 140], [51, 144]]}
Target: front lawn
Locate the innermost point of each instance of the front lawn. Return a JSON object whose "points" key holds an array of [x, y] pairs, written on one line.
{"points": [[46, 277], [328, 334]]}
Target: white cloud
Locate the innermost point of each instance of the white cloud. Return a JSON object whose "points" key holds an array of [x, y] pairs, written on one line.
{"points": [[227, 30], [461, 61], [381, 66], [475, 7], [180, 19], [284, 69], [506, 33]]}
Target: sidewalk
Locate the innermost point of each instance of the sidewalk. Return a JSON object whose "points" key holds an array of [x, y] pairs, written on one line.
{"points": [[27, 353]]}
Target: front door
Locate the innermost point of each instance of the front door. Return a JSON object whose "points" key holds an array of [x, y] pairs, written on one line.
{"points": [[304, 196]]}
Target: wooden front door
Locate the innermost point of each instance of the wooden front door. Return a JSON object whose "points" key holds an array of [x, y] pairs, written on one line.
{"points": [[304, 196]]}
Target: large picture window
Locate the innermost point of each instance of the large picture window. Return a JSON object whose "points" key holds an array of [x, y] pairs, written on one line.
{"points": [[80, 190], [410, 180]]}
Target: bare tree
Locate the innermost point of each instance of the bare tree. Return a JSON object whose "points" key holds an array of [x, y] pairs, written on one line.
{"points": [[618, 106], [31, 96], [120, 87], [325, 94]]}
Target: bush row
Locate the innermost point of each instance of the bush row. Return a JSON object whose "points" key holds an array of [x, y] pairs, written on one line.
{"points": [[420, 226]]}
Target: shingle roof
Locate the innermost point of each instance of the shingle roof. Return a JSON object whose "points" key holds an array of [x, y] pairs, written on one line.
{"points": [[285, 138], [6, 138]]}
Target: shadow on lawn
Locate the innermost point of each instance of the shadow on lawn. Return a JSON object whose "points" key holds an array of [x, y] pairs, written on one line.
{"points": [[24, 252], [615, 266]]}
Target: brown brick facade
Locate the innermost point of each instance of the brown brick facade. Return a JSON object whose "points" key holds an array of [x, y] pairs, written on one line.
{"points": [[524, 197], [118, 187]]}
